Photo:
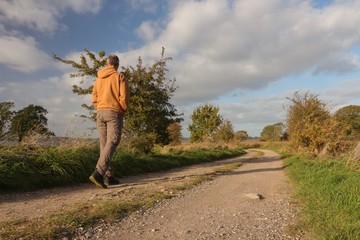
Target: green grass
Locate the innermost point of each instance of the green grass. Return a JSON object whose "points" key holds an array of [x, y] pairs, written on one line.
{"points": [[227, 168], [281, 147], [24, 168], [130, 164], [93, 212], [329, 193]]}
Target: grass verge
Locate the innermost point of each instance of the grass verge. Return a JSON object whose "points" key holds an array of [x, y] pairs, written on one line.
{"points": [[329, 194], [66, 224], [24, 168], [84, 215]]}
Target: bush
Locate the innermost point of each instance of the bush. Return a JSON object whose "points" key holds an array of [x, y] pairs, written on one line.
{"points": [[311, 127], [142, 144]]}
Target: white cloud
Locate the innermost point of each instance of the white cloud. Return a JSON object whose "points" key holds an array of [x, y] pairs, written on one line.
{"points": [[338, 63], [219, 46], [346, 92], [55, 95], [252, 114], [147, 30], [22, 54], [43, 15]]}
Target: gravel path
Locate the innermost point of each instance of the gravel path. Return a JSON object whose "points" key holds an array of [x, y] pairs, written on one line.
{"points": [[35, 204], [253, 202]]}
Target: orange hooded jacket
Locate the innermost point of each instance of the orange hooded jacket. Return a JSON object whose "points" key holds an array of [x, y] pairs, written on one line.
{"points": [[110, 91]]}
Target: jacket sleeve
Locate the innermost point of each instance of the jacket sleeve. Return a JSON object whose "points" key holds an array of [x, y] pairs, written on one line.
{"points": [[124, 93], [94, 96]]}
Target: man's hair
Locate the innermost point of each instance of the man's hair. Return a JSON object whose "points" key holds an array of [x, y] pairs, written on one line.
{"points": [[112, 60]]}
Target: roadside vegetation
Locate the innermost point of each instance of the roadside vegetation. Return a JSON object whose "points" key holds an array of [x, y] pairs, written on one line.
{"points": [[59, 166], [329, 193], [326, 190], [25, 168], [322, 159]]}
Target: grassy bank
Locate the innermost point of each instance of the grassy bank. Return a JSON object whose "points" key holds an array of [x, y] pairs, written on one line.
{"points": [[79, 218], [329, 194], [24, 168]]}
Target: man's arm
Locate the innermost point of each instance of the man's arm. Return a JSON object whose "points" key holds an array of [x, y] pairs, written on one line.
{"points": [[94, 96], [124, 93]]}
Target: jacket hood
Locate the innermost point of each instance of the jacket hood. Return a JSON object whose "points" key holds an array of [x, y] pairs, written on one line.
{"points": [[106, 72]]}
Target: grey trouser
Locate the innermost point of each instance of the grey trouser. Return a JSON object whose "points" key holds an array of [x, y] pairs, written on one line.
{"points": [[109, 124]]}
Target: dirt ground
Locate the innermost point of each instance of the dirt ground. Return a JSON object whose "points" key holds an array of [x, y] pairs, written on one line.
{"points": [[252, 202]]}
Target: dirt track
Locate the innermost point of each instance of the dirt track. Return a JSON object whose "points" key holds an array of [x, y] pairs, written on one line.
{"points": [[253, 202]]}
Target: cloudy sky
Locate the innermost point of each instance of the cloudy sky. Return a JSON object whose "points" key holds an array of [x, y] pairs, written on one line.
{"points": [[244, 56]]}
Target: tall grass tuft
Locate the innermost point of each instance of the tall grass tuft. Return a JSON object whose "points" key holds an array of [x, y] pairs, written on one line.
{"points": [[28, 167], [330, 194]]}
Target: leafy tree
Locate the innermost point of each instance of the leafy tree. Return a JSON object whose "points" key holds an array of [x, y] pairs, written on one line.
{"points": [[205, 121], [241, 135], [5, 117], [349, 117], [174, 130], [85, 72], [150, 111], [273, 132], [225, 132], [310, 124], [29, 120]]}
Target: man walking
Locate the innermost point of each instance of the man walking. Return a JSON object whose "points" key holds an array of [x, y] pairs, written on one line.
{"points": [[110, 98]]}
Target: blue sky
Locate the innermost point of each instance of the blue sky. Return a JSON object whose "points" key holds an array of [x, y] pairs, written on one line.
{"points": [[244, 56]]}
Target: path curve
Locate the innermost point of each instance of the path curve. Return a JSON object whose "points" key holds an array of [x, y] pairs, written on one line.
{"points": [[253, 202], [35, 204]]}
